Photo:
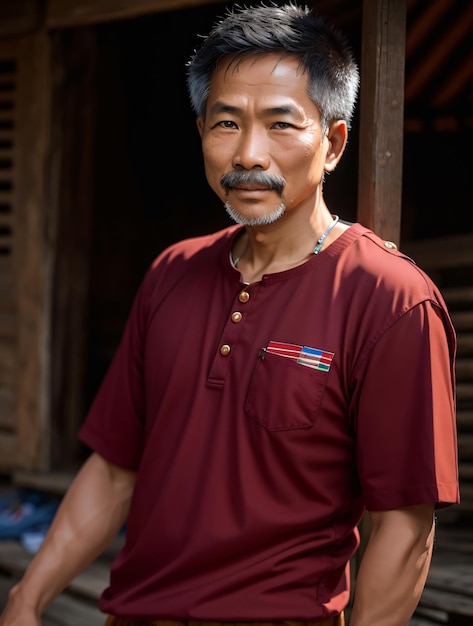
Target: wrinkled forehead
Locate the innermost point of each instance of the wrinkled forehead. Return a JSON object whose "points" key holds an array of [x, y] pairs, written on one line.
{"points": [[269, 80]]}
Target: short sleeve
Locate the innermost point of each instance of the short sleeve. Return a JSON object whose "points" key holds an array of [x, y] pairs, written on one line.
{"points": [[114, 426], [404, 413]]}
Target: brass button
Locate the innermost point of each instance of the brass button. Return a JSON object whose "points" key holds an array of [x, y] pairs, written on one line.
{"points": [[390, 245], [244, 296], [225, 350], [236, 317]]}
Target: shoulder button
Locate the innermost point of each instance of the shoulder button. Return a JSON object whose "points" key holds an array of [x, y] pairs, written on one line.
{"points": [[390, 245]]}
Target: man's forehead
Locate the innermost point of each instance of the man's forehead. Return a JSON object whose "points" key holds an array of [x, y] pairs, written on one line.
{"points": [[269, 62], [277, 82]]}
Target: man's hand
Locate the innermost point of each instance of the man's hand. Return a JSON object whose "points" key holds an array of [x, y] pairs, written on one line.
{"points": [[18, 612], [90, 516]]}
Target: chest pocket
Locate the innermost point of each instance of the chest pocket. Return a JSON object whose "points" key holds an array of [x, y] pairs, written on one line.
{"points": [[283, 394]]}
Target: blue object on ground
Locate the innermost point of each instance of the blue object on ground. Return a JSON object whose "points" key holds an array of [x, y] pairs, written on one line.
{"points": [[22, 511]]}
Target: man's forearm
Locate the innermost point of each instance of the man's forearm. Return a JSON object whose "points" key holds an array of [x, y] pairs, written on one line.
{"points": [[394, 567], [90, 516]]}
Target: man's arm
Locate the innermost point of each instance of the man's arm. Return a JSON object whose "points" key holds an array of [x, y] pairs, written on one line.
{"points": [[91, 514], [394, 566]]}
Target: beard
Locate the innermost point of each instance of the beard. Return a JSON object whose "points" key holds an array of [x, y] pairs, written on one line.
{"points": [[262, 220], [271, 181]]}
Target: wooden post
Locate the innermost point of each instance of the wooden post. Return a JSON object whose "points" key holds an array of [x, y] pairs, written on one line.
{"points": [[31, 252], [382, 116], [71, 199]]}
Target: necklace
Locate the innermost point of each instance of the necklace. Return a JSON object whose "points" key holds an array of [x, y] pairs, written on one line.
{"points": [[317, 249], [234, 262], [320, 241]]}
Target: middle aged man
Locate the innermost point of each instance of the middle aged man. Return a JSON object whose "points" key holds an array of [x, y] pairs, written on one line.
{"points": [[274, 379]]}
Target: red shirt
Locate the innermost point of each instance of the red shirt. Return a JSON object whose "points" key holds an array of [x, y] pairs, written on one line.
{"points": [[263, 419]]}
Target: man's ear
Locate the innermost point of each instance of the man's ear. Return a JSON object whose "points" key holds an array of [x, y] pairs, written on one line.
{"points": [[200, 125], [337, 140]]}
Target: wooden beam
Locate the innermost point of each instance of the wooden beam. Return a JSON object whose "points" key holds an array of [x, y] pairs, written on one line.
{"points": [[381, 116], [65, 13], [30, 255], [19, 17], [74, 54]]}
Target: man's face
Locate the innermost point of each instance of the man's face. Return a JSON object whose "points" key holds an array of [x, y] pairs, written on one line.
{"points": [[259, 119]]}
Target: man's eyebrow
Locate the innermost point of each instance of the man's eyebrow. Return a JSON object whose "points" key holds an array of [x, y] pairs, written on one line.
{"points": [[286, 109], [221, 107]]}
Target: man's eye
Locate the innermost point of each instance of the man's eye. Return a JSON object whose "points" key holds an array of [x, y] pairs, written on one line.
{"points": [[227, 124], [282, 125]]}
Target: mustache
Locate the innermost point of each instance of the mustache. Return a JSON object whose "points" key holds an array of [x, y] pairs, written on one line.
{"points": [[255, 177]]}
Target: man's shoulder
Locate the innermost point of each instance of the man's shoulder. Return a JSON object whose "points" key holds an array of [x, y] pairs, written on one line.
{"points": [[381, 265], [192, 255], [203, 246]]}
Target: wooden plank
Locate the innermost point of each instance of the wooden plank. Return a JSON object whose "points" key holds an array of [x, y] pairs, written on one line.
{"points": [[465, 445], [458, 295], [6, 220], [6, 197], [9, 451], [466, 492], [64, 13], [465, 419], [19, 17], [6, 136], [458, 579], [466, 471], [7, 297], [7, 409], [6, 116], [465, 344], [464, 391], [447, 252], [31, 256], [464, 368], [52, 482], [7, 76], [382, 117], [8, 325], [6, 242], [428, 617], [454, 604], [8, 363], [462, 320]]}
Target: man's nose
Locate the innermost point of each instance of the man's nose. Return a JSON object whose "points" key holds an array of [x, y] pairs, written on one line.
{"points": [[251, 151]]}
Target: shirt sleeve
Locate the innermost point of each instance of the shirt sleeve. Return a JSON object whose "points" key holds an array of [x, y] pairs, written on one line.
{"points": [[114, 426], [404, 414]]}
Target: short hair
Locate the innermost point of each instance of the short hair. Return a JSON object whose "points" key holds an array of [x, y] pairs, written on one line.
{"points": [[290, 30]]}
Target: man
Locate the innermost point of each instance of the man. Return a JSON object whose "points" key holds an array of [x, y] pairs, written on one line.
{"points": [[273, 381]]}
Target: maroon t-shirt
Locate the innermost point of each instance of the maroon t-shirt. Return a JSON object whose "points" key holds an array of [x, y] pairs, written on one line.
{"points": [[263, 419]]}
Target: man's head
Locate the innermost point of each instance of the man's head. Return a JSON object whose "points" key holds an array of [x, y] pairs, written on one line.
{"points": [[289, 30]]}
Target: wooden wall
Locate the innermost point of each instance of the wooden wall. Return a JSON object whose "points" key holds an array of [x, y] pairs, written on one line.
{"points": [[24, 260]]}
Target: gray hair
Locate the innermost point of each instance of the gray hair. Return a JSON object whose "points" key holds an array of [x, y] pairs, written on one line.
{"points": [[294, 31]]}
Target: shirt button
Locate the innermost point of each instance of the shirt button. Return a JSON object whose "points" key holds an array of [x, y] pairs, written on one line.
{"points": [[244, 296], [236, 317], [225, 350], [390, 245]]}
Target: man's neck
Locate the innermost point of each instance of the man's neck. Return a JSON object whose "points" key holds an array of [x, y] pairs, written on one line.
{"points": [[285, 244]]}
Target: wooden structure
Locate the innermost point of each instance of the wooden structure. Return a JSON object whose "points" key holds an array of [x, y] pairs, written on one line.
{"points": [[59, 204]]}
